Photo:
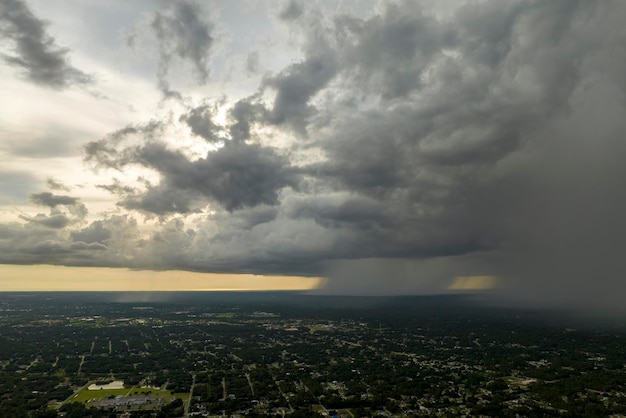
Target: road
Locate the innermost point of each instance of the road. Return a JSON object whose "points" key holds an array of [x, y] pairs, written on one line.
{"points": [[250, 383], [80, 366], [284, 395], [188, 403]]}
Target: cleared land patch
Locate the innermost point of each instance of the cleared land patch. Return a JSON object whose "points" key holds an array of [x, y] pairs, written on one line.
{"points": [[128, 398]]}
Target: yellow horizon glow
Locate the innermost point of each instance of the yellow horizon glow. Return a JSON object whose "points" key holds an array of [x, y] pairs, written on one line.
{"points": [[50, 278], [473, 283]]}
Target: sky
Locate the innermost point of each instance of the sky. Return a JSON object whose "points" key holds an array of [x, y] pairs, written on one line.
{"points": [[391, 147]]}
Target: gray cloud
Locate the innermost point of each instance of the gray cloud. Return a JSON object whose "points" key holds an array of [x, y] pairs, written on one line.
{"points": [[56, 185], [295, 87], [55, 220], [37, 243], [116, 188], [292, 10], [200, 121], [52, 200], [73, 204], [183, 33], [106, 151], [94, 233], [95, 246], [252, 63], [237, 175], [50, 248], [23, 244], [389, 53], [36, 53], [244, 114]]}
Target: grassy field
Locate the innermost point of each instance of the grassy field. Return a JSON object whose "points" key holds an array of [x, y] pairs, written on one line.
{"points": [[182, 396], [317, 328], [85, 395], [145, 391]]}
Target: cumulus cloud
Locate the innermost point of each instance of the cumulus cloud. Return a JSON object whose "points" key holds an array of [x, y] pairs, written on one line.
{"points": [[36, 53], [73, 204], [55, 220], [97, 232], [24, 244], [113, 241], [236, 175]]}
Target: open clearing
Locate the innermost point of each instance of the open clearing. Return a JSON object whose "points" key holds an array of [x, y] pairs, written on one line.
{"points": [[85, 395]]}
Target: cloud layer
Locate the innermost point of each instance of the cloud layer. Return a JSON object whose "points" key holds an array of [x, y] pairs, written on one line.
{"points": [[481, 140]]}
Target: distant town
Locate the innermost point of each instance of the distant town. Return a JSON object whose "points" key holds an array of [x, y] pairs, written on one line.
{"points": [[288, 355]]}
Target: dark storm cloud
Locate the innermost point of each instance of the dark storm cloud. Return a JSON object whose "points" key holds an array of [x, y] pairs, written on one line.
{"points": [[487, 141], [333, 212], [560, 207], [237, 175], [426, 148], [183, 33], [36, 54], [420, 115], [296, 85], [390, 52]]}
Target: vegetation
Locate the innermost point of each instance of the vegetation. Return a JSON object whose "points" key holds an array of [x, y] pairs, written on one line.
{"points": [[269, 356]]}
